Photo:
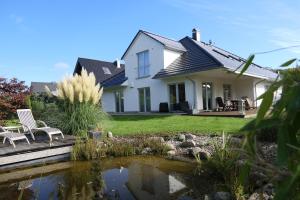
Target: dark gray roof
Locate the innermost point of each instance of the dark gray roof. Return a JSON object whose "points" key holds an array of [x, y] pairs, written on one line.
{"points": [[116, 80], [232, 61], [168, 43], [97, 67], [201, 56], [194, 60], [39, 87]]}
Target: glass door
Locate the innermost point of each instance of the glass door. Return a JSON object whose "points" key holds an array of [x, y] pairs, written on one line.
{"points": [[207, 96], [119, 99], [173, 99], [144, 99], [177, 95]]}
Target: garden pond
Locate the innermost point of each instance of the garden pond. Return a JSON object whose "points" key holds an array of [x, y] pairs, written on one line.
{"points": [[139, 177]]}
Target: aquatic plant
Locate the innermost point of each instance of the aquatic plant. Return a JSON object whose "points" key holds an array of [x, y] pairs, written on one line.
{"points": [[91, 149]]}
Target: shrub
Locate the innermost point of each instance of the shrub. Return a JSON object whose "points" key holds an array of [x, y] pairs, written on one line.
{"points": [[80, 95], [12, 97], [93, 149], [285, 113]]}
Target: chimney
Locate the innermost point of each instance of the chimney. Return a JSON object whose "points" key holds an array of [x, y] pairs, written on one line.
{"points": [[196, 34], [118, 63]]}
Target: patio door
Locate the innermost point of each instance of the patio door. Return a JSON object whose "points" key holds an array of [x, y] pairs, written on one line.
{"points": [[144, 99], [177, 95], [207, 96], [119, 101]]}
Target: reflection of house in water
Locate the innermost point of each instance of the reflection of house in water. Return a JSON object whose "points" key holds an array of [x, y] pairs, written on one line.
{"points": [[147, 182]]}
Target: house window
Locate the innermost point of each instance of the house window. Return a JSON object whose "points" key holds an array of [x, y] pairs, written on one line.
{"points": [[177, 95], [119, 99], [144, 99], [106, 70], [227, 92], [143, 64]]}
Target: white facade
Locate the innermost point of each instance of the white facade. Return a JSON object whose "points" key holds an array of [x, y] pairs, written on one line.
{"points": [[159, 58]]}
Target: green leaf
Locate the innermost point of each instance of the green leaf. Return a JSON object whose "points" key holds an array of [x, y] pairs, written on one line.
{"points": [[288, 63], [247, 64], [244, 173], [264, 106], [282, 149]]}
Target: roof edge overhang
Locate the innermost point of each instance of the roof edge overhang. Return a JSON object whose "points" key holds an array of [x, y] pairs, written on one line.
{"points": [[251, 74], [145, 33], [134, 38], [123, 85]]}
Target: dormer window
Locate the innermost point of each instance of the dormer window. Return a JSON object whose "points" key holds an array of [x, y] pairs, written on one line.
{"points": [[106, 70], [143, 64]]}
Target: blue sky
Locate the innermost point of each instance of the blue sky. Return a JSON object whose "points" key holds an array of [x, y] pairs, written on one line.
{"points": [[41, 40]]}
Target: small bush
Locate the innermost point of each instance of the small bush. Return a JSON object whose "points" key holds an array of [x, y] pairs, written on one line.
{"points": [[81, 117], [81, 103], [93, 149], [13, 95]]}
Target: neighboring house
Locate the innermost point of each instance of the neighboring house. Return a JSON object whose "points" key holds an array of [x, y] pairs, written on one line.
{"points": [[39, 87], [158, 69]]}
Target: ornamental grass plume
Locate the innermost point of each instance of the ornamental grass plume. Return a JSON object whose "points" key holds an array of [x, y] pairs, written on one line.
{"points": [[80, 88]]}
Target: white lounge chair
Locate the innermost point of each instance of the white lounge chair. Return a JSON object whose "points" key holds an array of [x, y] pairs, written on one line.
{"points": [[30, 124], [11, 136]]}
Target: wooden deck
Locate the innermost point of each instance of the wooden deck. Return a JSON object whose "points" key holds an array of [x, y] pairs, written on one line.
{"points": [[38, 149], [248, 114]]}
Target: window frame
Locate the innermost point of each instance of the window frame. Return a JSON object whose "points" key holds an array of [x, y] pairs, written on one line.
{"points": [[145, 67], [229, 87]]}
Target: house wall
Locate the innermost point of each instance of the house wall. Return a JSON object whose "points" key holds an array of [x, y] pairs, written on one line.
{"points": [[217, 89], [108, 101], [158, 57], [260, 88], [189, 89], [169, 57], [239, 87]]}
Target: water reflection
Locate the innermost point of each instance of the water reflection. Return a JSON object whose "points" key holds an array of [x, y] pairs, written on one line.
{"points": [[122, 178]]}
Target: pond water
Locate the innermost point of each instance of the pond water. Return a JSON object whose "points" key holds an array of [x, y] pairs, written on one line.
{"points": [[118, 178]]}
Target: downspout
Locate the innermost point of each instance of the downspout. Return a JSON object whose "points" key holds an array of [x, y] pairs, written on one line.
{"points": [[194, 93]]}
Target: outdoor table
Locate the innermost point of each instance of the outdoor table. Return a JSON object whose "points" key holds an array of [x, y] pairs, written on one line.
{"points": [[235, 104], [13, 128]]}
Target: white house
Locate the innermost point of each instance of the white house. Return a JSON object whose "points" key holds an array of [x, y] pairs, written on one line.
{"points": [[187, 74]]}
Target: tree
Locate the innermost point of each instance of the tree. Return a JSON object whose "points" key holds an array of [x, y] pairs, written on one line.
{"points": [[13, 94]]}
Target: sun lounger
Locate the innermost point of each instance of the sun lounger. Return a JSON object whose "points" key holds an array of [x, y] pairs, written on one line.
{"points": [[12, 136], [30, 124]]}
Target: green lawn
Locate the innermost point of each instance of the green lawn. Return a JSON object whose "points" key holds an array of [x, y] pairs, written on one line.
{"points": [[169, 124], [153, 124]]}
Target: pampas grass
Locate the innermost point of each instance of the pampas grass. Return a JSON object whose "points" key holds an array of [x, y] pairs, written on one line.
{"points": [[81, 96], [80, 88]]}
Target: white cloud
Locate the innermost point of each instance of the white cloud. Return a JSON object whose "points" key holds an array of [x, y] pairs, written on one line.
{"points": [[17, 19], [61, 65]]}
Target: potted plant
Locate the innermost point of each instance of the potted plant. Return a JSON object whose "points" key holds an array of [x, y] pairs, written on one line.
{"points": [[95, 132]]}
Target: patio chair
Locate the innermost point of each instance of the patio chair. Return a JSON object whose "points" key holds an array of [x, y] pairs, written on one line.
{"points": [[222, 105], [12, 136], [248, 103], [30, 124]]}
